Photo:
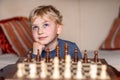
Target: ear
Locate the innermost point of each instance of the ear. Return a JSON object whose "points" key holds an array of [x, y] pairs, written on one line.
{"points": [[59, 29]]}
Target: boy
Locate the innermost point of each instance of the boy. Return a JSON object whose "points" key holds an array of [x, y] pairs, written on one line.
{"points": [[46, 22]]}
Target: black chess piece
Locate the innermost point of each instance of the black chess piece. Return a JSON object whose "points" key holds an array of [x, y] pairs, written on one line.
{"points": [[96, 59], [58, 51], [85, 57], [38, 57], [76, 55], [29, 56], [65, 50], [47, 55]]}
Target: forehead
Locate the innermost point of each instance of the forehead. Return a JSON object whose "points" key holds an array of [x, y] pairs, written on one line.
{"points": [[43, 18]]}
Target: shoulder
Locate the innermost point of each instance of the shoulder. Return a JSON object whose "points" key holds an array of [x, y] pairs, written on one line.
{"points": [[71, 45], [65, 41], [61, 41]]}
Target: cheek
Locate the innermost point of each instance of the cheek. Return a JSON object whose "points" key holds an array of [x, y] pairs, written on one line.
{"points": [[51, 32], [34, 35]]}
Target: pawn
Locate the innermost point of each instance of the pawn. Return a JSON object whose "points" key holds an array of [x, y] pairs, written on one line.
{"points": [[33, 71], [103, 74], [76, 55], [56, 72], [43, 73], [79, 74], [29, 57], [85, 57], [20, 70], [38, 57], [96, 59], [93, 71]]}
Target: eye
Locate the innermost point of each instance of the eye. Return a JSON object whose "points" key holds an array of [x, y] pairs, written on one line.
{"points": [[46, 25], [35, 27]]}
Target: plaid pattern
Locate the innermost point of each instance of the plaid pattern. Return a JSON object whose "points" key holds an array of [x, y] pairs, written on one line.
{"points": [[17, 30], [112, 42]]}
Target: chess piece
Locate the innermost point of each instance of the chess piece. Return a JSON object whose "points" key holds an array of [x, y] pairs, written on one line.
{"points": [[58, 51], [103, 74], [43, 73], [76, 55], [38, 57], [79, 74], [32, 71], [56, 72], [47, 55], [65, 50], [20, 70], [96, 59], [85, 58], [67, 70], [29, 57], [93, 71], [68, 59]]}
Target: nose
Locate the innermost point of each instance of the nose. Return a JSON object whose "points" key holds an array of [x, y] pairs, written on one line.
{"points": [[40, 31]]}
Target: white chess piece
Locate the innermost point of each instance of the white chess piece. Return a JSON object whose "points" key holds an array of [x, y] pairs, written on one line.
{"points": [[56, 72], [21, 70], [79, 71], [43, 73], [32, 71], [67, 70], [103, 74], [93, 71], [68, 59]]}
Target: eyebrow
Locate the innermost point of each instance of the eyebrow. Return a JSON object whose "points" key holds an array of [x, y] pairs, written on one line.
{"points": [[41, 23]]}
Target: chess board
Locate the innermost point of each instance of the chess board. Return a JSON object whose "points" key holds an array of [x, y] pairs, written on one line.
{"points": [[73, 68]]}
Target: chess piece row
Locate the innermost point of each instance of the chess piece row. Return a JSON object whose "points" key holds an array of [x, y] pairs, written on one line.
{"points": [[85, 57], [95, 59], [38, 56], [67, 73]]}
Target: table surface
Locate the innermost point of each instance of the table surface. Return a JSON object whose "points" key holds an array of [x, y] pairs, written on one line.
{"points": [[9, 71]]}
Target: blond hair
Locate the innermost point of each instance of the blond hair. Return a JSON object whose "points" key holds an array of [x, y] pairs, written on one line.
{"points": [[46, 10]]}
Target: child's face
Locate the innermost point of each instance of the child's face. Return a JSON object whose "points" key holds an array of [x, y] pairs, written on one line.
{"points": [[45, 30]]}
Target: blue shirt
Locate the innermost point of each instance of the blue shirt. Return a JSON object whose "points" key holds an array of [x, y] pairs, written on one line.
{"points": [[61, 43]]}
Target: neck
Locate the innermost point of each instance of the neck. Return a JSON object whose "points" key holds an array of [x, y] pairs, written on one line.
{"points": [[52, 45]]}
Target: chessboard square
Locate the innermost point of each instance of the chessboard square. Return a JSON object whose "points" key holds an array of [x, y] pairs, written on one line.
{"points": [[73, 72], [49, 72], [74, 67], [50, 64], [61, 65], [86, 74], [49, 68], [86, 70]]}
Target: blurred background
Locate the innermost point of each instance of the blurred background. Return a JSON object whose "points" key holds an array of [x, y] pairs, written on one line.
{"points": [[86, 22]]}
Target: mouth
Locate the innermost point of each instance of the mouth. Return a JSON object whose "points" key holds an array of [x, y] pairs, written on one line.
{"points": [[41, 38]]}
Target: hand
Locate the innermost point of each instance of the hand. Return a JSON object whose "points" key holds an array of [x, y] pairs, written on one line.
{"points": [[36, 46]]}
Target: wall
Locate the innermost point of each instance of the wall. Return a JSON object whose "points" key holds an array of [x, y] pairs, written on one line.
{"points": [[86, 22], [96, 19]]}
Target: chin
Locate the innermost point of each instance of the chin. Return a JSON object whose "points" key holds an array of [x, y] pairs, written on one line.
{"points": [[43, 42]]}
